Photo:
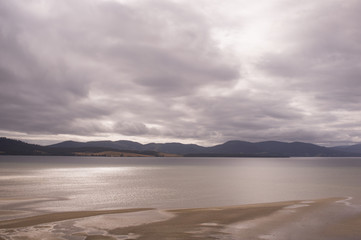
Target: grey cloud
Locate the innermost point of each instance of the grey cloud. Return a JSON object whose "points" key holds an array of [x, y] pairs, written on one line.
{"points": [[129, 128], [325, 56], [153, 69], [320, 64], [66, 69], [237, 116]]}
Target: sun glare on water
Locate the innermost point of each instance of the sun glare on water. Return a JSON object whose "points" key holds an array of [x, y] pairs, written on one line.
{"points": [[87, 172]]}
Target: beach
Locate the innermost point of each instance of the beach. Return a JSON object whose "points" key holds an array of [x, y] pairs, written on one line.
{"points": [[331, 218], [61, 198]]}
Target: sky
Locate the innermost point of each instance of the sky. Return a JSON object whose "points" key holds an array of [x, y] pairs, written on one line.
{"points": [[190, 71]]}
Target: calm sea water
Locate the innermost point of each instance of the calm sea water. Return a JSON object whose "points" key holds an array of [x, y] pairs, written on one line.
{"points": [[80, 183]]}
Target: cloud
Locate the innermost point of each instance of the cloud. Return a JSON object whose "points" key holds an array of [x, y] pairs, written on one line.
{"points": [[181, 71], [324, 56], [318, 61], [71, 66]]}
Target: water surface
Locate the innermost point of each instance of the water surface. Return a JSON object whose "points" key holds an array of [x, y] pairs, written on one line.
{"points": [[42, 183]]}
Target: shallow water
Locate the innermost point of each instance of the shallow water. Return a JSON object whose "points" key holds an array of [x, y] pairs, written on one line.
{"points": [[42, 184]]}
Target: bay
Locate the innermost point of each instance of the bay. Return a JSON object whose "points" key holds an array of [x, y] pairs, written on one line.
{"points": [[47, 184]]}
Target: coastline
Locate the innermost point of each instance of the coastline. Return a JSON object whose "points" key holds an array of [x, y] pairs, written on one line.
{"points": [[301, 219], [61, 216]]}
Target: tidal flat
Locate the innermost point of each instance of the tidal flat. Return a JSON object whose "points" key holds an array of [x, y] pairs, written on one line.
{"points": [[82, 198], [331, 218]]}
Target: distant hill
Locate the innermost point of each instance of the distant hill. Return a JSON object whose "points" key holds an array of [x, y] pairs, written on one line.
{"points": [[350, 149], [233, 148], [236, 147], [171, 148], [16, 147], [69, 148], [230, 148], [177, 148], [300, 149], [274, 148], [120, 145]]}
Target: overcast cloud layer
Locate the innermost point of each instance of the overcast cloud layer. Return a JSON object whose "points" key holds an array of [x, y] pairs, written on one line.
{"points": [[189, 71]]}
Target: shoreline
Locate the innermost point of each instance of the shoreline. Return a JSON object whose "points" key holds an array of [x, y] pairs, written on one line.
{"points": [[61, 216], [300, 219]]}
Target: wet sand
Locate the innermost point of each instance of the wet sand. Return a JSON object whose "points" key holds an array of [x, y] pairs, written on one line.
{"points": [[306, 220], [55, 217], [348, 229]]}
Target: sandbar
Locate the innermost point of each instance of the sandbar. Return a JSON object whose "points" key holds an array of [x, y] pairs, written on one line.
{"points": [[301, 219], [60, 216]]}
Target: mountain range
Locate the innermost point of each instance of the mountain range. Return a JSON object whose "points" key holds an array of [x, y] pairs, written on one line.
{"points": [[233, 148]]}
